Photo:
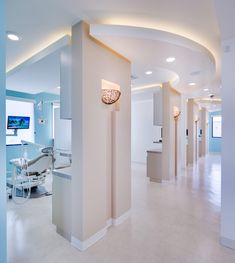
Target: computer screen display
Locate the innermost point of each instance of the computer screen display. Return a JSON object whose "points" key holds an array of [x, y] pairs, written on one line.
{"points": [[18, 122]]}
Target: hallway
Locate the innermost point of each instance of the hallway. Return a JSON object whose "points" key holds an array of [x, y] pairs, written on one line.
{"points": [[172, 222]]}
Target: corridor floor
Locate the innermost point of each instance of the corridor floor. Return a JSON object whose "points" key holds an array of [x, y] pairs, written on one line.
{"points": [[172, 222]]}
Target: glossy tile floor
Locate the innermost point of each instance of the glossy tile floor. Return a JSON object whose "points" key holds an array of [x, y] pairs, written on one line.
{"points": [[174, 222]]}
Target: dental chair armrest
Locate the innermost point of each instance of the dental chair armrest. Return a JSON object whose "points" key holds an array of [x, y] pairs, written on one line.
{"points": [[33, 161]]}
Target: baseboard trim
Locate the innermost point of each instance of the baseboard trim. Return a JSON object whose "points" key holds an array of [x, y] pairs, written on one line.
{"points": [[227, 242], [109, 222], [83, 245], [122, 218]]}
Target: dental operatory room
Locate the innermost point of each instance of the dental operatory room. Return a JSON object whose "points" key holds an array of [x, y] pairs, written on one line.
{"points": [[38, 141]]}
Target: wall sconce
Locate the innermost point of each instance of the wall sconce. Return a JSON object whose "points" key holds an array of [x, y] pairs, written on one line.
{"points": [[110, 92], [176, 112], [196, 118]]}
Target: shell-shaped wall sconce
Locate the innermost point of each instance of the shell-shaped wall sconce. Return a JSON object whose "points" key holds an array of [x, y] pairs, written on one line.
{"points": [[110, 92]]}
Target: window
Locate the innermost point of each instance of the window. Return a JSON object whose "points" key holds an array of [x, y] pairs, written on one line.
{"points": [[216, 126]]}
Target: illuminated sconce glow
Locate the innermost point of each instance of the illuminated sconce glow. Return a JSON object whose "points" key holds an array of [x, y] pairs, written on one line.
{"points": [[110, 92], [176, 112]]}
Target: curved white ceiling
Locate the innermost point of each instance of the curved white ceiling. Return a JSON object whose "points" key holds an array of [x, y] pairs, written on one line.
{"points": [[41, 23], [147, 49]]}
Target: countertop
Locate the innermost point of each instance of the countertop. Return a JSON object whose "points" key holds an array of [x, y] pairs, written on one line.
{"points": [[156, 150], [63, 172]]}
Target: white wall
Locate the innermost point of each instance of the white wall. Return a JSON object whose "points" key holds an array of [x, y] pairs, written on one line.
{"points": [[3, 257], [62, 138], [228, 146], [143, 132], [62, 132]]}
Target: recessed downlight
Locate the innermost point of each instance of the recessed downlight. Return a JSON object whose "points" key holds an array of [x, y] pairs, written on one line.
{"points": [[192, 84], [206, 89], [170, 59], [13, 36], [149, 72]]}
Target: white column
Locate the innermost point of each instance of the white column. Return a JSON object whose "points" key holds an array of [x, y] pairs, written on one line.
{"points": [[171, 99], [167, 139], [3, 256], [228, 145], [183, 118], [204, 138], [191, 131], [101, 154]]}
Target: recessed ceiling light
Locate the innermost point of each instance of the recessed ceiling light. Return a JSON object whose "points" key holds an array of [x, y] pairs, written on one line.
{"points": [[192, 84], [170, 59], [206, 89], [13, 36], [148, 72]]}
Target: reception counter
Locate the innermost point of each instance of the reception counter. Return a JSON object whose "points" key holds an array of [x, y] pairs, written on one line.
{"points": [[154, 165]]}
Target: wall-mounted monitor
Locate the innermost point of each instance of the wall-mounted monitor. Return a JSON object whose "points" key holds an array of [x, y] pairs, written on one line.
{"points": [[18, 122]]}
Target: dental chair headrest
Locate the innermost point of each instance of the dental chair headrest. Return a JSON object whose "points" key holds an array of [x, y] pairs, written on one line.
{"points": [[47, 150]]}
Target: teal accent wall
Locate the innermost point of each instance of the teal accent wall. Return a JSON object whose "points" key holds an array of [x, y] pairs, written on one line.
{"points": [[43, 132], [214, 143], [3, 238], [17, 94]]}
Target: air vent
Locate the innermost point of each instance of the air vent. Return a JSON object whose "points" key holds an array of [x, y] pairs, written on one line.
{"points": [[227, 49], [133, 77], [195, 73]]}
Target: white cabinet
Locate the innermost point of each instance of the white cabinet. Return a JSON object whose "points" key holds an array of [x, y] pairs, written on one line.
{"points": [[154, 165], [61, 202], [65, 83]]}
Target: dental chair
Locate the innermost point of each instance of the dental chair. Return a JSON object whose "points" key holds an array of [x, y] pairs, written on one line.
{"points": [[29, 174]]}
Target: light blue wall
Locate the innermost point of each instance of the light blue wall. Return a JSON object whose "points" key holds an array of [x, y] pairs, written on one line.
{"points": [[43, 132], [214, 143], [3, 239], [16, 94]]}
